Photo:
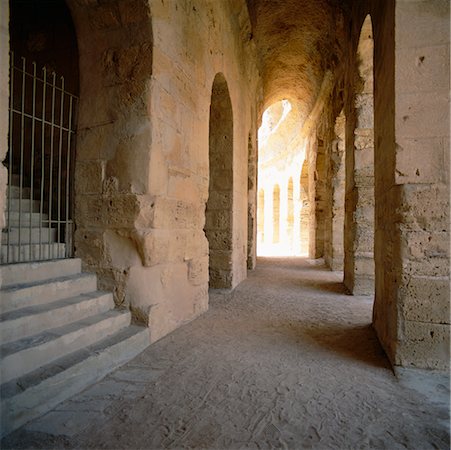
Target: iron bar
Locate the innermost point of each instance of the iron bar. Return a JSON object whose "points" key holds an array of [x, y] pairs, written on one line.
{"points": [[41, 204], [60, 150], [52, 138], [33, 130], [34, 121], [67, 251], [10, 168], [22, 130]]}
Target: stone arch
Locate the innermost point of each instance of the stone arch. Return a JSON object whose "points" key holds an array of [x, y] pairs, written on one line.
{"points": [[218, 213], [305, 209], [276, 214], [359, 199]]}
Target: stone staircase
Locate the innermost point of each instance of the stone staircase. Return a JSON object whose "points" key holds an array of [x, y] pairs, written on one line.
{"points": [[27, 236], [58, 333]]}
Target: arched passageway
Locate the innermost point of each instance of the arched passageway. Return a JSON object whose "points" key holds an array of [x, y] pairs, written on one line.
{"points": [[218, 213]]}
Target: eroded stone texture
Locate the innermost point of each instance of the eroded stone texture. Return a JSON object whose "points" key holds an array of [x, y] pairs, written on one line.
{"points": [[359, 217]]}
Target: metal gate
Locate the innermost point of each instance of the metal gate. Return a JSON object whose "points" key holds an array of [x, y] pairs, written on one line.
{"points": [[40, 160]]}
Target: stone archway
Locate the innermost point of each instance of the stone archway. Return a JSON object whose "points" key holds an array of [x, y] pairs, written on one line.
{"points": [[218, 213]]}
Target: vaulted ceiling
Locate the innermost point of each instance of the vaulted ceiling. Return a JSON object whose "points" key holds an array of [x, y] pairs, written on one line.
{"points": [[297, 42]]}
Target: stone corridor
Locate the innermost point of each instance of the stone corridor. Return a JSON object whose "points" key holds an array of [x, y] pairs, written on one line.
{"points": [[287, 360]]}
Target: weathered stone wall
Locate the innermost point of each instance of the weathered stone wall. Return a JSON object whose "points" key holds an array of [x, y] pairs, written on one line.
{"points": [[193, 42], [335, 189], [411, 311], [305, 209], [359, 218], [252, 200], [142, 156], [4, 98]]}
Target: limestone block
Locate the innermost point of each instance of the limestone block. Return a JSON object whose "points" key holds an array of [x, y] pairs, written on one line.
{"points": [[95, 143], [183, 187], [218, 220], [220, 200], [198, 271], [175, 214], [160, 246], [433, 267], [426, 299], [422, 160], [364, 266], [422, 23], [423, 68], [121, 249], [419, 115], [221, 259], [120, 210], [423, 244], [364, 110], [89, 176], [219, 239], [424, 207], [424, 345], [89, 210], [89, 245]]}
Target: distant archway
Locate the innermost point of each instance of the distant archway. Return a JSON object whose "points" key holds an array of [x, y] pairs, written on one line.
{"points": [[218, 213], [276, 215]]}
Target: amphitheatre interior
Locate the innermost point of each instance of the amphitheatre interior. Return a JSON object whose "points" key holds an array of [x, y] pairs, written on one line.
{"points": [[157, 147]]}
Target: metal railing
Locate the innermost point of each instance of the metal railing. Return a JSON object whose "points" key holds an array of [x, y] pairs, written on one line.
{"points": [[40, 160]]}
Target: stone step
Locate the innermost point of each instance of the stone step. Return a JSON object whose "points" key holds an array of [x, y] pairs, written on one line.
{"points": [[32, 320], [15, 236], [30, 272], [15, 192], [41, 292], [28, 354], [36, 219], [31, 252], [23, 205], [26, 398]]}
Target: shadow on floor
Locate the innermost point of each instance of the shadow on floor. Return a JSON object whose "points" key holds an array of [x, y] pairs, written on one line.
{"points": [[357, 342]]}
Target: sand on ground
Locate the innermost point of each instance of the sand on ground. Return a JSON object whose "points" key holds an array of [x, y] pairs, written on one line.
{"points": [[286, 360]]}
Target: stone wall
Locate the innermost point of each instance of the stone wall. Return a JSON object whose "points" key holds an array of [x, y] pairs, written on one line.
{"points": [[335, 189], [142, 154], [205, 39], [411, 312], [359, 218]]}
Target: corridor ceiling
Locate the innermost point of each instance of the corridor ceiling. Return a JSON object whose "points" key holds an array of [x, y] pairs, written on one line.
{"points": [[297, 42]]}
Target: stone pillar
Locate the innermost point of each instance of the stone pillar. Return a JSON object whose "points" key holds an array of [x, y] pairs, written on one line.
{"points": [[359, 254], [411, 311]]}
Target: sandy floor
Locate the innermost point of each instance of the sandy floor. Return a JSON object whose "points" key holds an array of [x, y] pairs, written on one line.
{"points": [[287, 360]]}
